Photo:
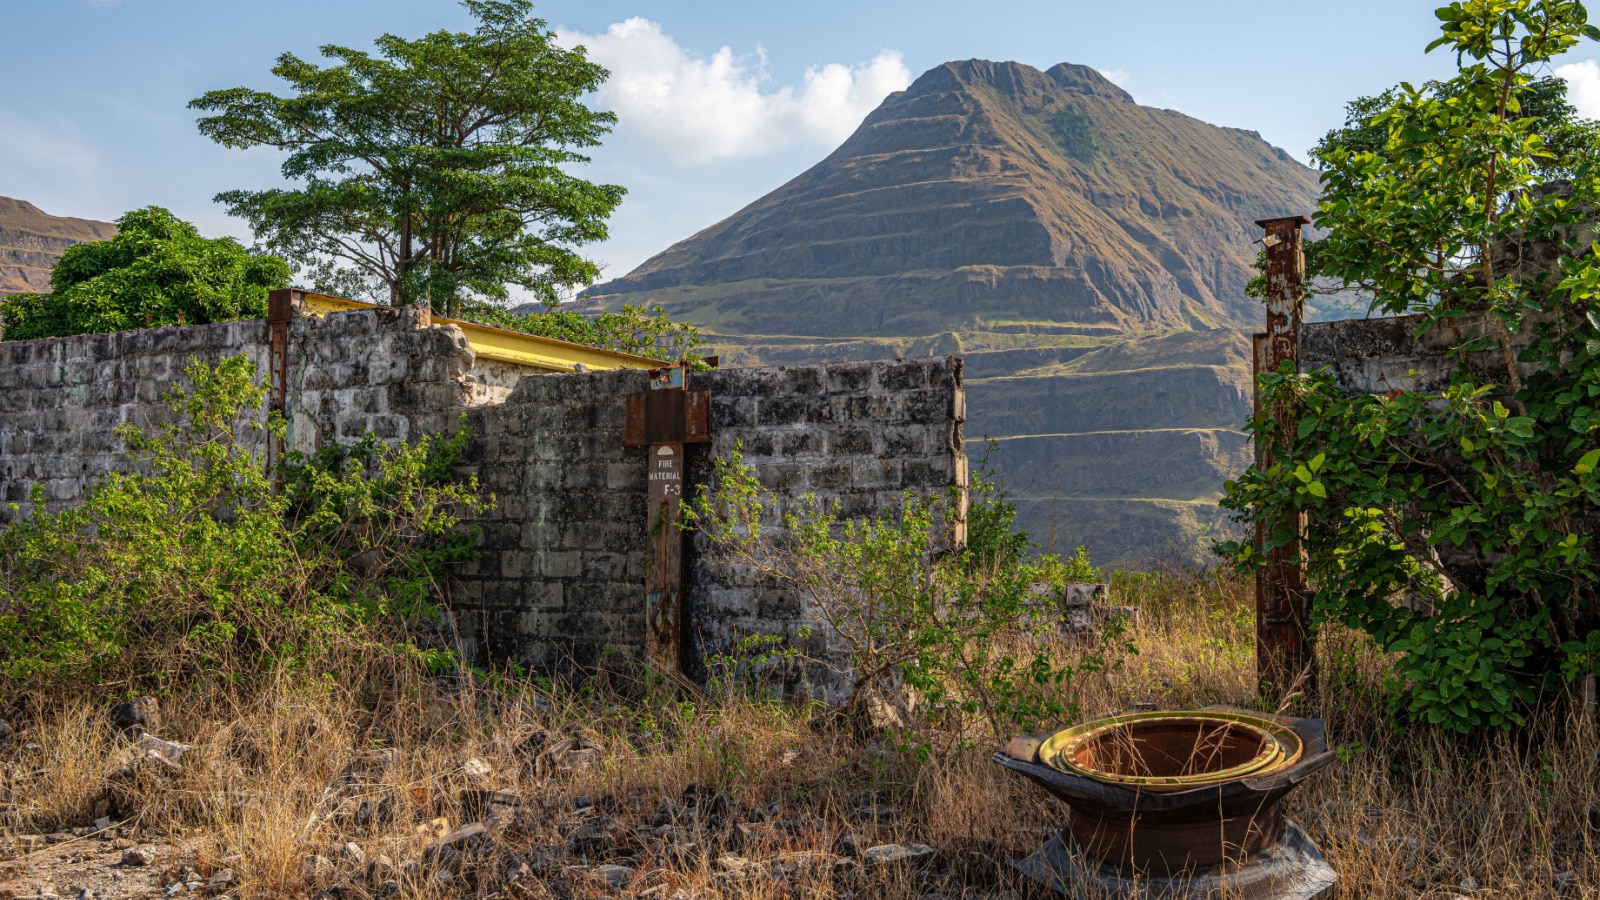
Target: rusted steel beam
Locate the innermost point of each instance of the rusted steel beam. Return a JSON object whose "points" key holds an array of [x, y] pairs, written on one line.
{"points": [[1285, 652], [280, 310], [665, 418]]}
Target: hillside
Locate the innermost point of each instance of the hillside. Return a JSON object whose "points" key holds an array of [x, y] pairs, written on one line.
{"points": [[31, 241], [1087, 255]]}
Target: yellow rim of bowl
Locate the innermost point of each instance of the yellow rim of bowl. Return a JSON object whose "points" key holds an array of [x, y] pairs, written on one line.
{"points": [[1281, 748]]}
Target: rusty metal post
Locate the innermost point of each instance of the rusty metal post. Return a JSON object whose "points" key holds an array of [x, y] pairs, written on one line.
{"points": [[665, 418], [1285, 653], [280, 310]]}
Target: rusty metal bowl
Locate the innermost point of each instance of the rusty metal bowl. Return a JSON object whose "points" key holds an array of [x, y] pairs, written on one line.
{"points": [[1223, 819], [1166, 752]]}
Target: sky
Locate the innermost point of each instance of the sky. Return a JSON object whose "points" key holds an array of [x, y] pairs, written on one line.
{"points": [[718, 102]]}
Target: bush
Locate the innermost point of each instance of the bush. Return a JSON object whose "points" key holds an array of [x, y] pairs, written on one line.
{"points": [[1456, 527], [191, 565], [158, 270], [960, 626]]}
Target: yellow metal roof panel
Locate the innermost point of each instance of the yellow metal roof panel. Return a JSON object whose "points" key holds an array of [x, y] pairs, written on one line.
{"points": [[503, 345]]}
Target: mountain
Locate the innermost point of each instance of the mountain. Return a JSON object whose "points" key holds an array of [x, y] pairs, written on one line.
{"points": [[1086, 254], [31, 240]]}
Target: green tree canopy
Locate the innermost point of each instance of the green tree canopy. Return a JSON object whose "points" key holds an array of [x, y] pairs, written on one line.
{"points": [[433, 167], [157, 270]]}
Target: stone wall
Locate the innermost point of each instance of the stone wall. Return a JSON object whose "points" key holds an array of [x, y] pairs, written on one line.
{"points": [[560, 577], [1376, 356], [62, 400], [563, 553], [859, 433], [387, 371]]}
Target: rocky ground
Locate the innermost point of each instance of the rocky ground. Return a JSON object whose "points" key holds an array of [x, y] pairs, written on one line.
{"points": [[370, 833]]}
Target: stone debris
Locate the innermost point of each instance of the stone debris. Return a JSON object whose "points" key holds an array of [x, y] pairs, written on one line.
{"points": [[320, 869], [142, 855], [170, 751], [566, 756], [380, 869], [351, 854], [593, 837], [476, 768], [437, 828], [137, 716], [220, 880], [885, 855], [614, 875], [495, 809], [460, 848]]}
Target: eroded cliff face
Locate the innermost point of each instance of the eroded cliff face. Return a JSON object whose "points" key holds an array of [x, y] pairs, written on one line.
{"points": [[31, 240], [1087, 255]]}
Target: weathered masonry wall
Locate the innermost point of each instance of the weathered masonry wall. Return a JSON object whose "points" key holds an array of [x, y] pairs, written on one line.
{"points": [[1376, 356], [861, 434], [561, 572], [560, 578], [385, 371], [61, 401]]}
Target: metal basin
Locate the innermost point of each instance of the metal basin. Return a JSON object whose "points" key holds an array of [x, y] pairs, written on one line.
{"points": [[1167, 752], [1175, 792]]}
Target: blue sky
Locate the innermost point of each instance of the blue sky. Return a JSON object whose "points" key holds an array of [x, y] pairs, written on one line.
{"points": [[719, 101]]}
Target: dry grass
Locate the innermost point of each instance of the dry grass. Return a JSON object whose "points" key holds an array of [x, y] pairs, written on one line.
{"points": [[1401, 815]]}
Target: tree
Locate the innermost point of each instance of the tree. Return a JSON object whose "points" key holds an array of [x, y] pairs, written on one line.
{"points": [[1457, 527], [435, 166], [157, 270]]}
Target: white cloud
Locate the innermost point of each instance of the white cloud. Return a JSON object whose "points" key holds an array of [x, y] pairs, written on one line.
{"points": [[696, 109], [1583, 86], [1118, 77]]}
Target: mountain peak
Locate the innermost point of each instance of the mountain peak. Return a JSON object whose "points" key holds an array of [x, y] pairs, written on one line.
{"points": [[1078, 249], [994, 188], [1017, 80], [1085, 80]]}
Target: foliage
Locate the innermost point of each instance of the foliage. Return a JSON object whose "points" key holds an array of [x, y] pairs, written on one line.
{"points": [[157, 270], [191, 563], [1456, 527], [1074, 132], [965, 631], [436, 166], [643, 332]]}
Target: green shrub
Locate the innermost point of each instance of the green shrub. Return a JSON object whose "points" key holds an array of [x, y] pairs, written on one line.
{"points": [[1456, 526], [192, 565], [962, 627], [157, 270], [1074, 133]]}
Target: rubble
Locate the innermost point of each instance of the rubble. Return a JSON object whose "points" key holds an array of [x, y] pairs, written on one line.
{"points": [[137, 716]]}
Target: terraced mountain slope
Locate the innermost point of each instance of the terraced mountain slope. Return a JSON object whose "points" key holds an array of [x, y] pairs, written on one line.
{"points": [[31, 240], [1087, 255]]}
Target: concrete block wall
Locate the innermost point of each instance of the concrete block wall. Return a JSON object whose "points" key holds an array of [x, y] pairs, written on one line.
{"points": [[560, 578], [859, 433], [61, 401], [563, 553], [560, 575], [1376, 356], [387, 371]]}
